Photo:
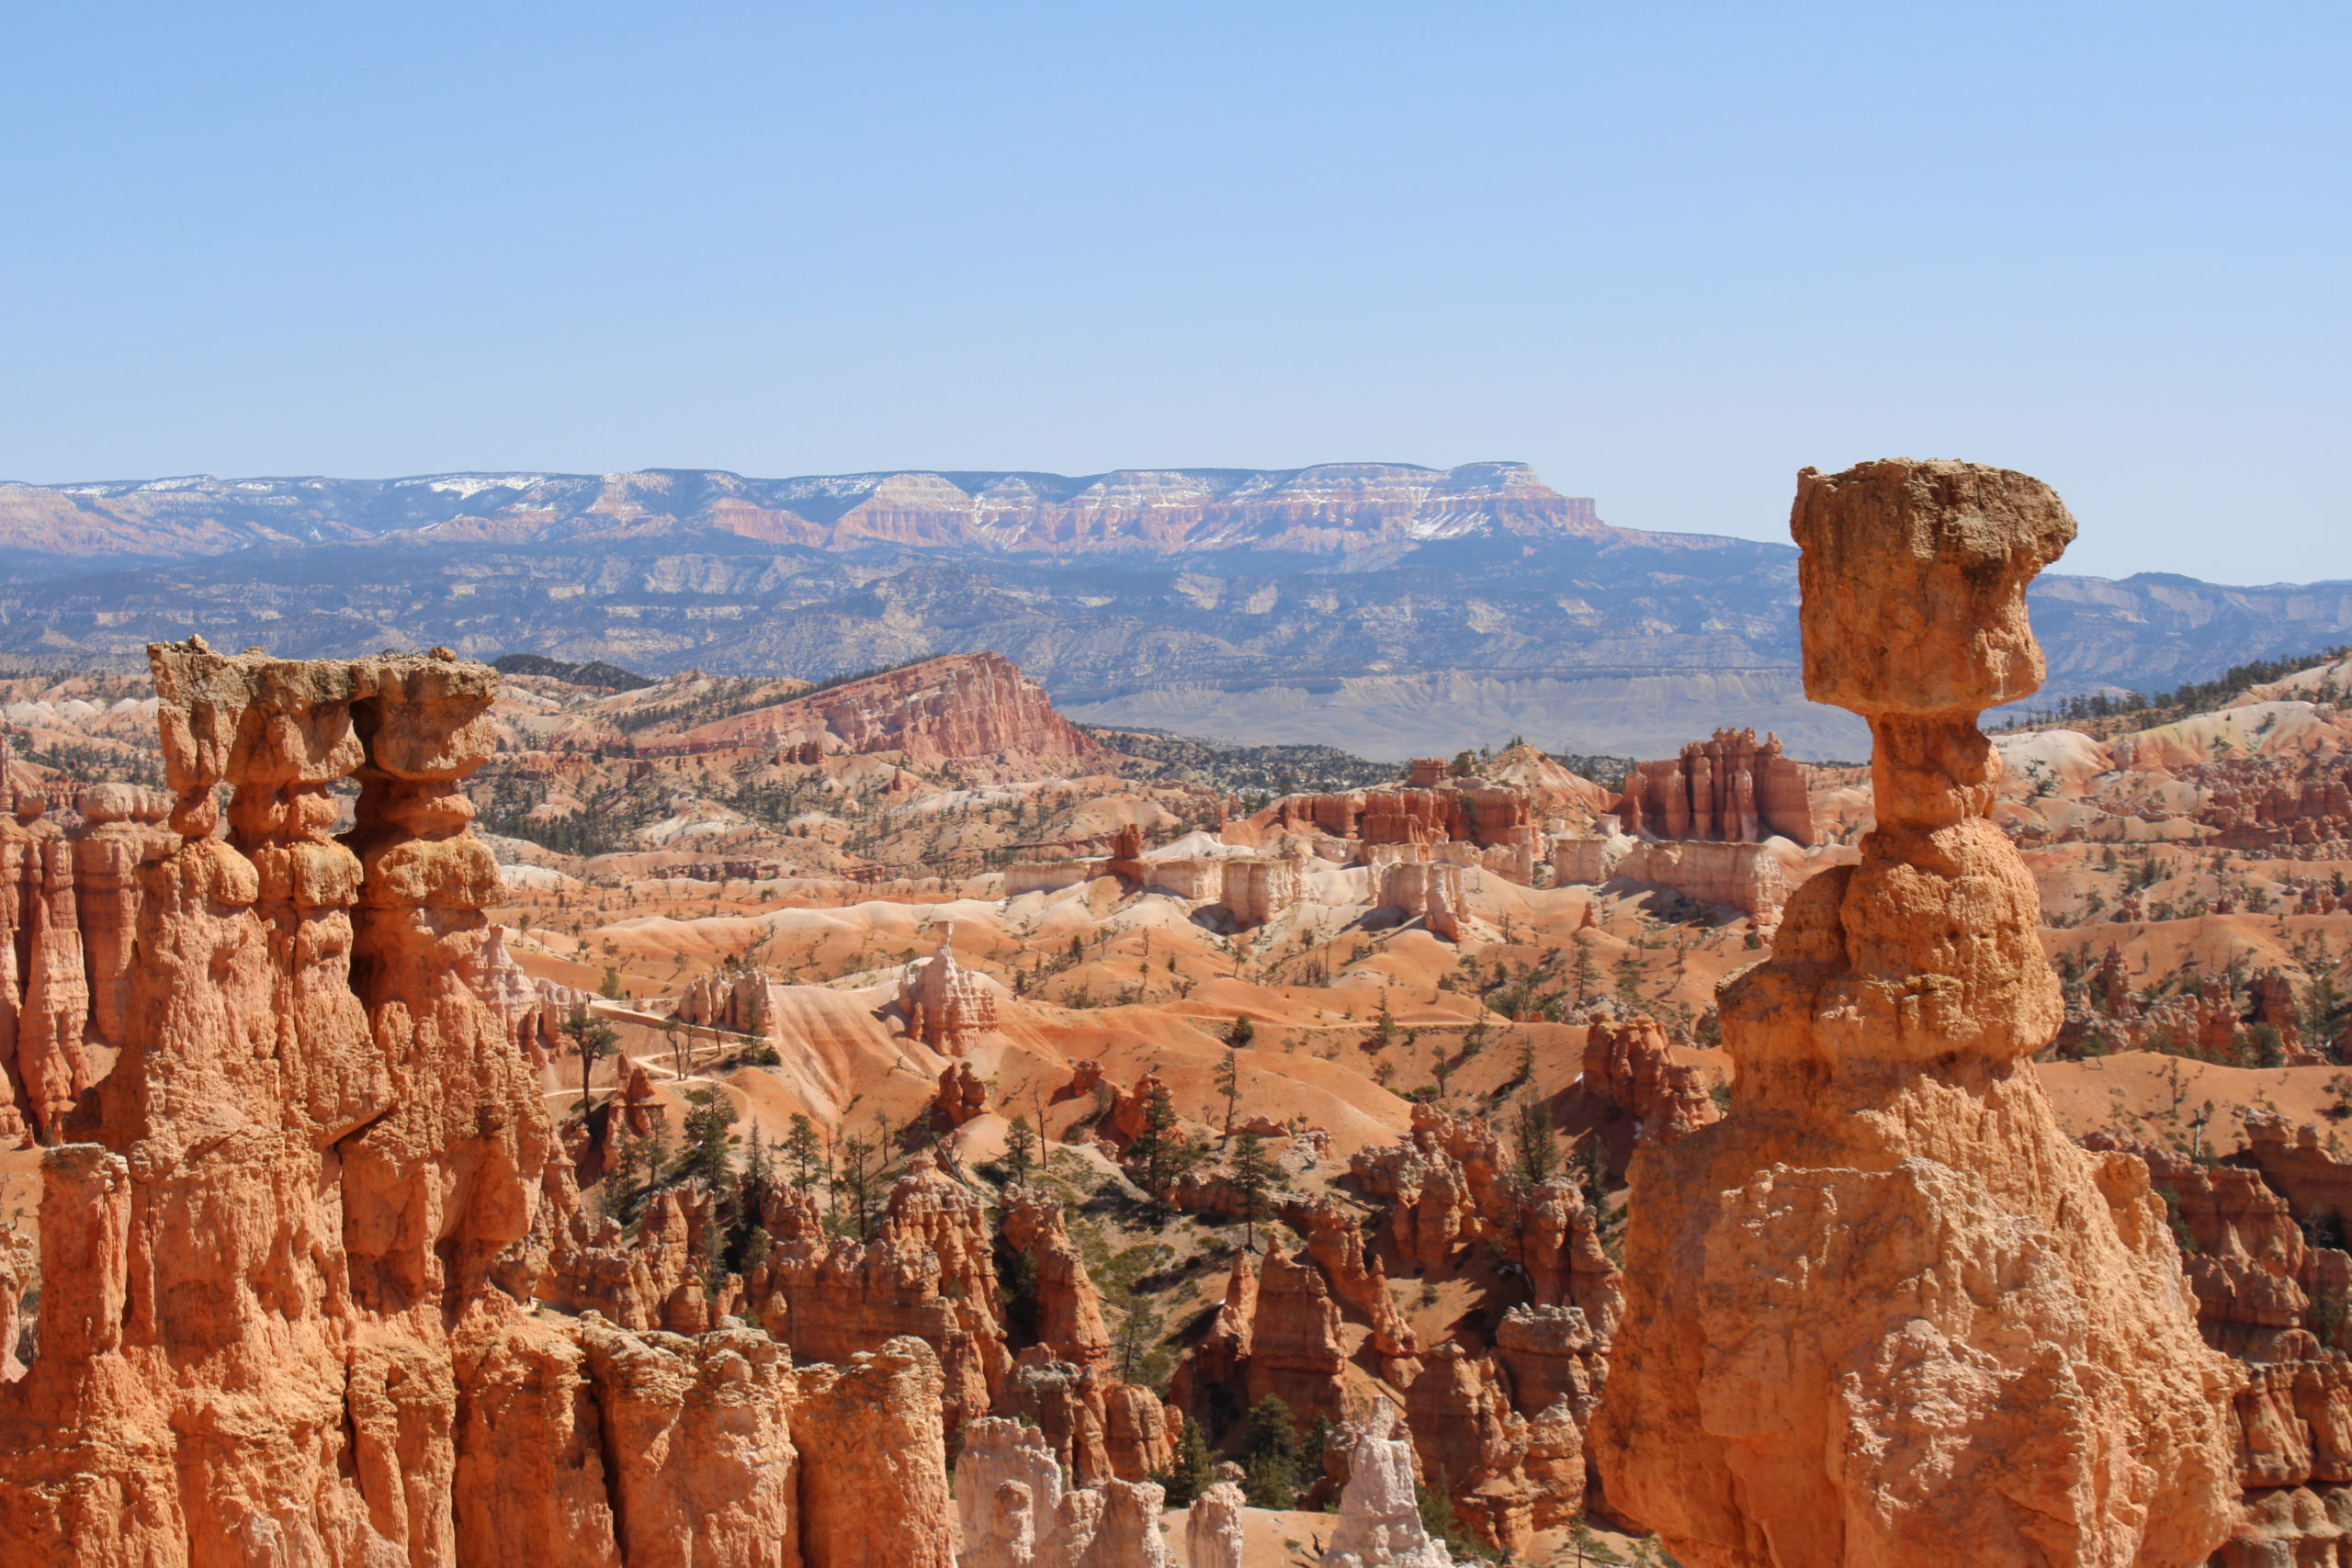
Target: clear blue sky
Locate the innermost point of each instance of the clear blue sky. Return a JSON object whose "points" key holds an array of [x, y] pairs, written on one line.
{"points": [[1667, 252]]}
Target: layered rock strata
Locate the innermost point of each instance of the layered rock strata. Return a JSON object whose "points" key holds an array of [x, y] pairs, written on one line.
{"points": [[971, 710], [1461, 821], [1251, 889], [1747, 876], [1427, 891], [1885, 1311], [2269, 1297], [733, 997]]}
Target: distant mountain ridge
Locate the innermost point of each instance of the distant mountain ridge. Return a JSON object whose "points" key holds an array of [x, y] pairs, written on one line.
{"points": [[1386, 609], [1318, 510]]}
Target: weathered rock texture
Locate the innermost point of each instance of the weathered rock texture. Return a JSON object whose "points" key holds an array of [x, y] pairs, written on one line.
{"points": [[1444, 1189], [1628, 1068], [733, 997], [1472, 1443], [1253, 889], [1745, 876], [1461, 821], [1885, 1311], [961, 1095], [2269, 1297], [945, 1005], [1296, 1350], [1016, 1513], [874, 1486], [69, 910], [1428, 891], [928, 1273], [121, 832], [319, 1134], [273, 1330], [1725, 788], [1379, 1524], [1213, 1528]]}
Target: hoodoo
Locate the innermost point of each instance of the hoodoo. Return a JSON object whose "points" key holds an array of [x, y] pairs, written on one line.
{"points": [[1885, 1312], [269, 1332]]}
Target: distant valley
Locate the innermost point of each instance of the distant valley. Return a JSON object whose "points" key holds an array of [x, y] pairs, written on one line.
{"points": [[1386, 609]]}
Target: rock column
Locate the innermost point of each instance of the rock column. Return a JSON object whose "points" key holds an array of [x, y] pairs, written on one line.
{"points": [[56, 1008], [1213, 1528], [122, 833], [436, 1190], [1886, 1312], [1380, 1521]]}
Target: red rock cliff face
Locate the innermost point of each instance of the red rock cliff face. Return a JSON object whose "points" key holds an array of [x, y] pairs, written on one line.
{"points": [[966, 707], [269, 1331], [312, 1146], [1885, 1312]]}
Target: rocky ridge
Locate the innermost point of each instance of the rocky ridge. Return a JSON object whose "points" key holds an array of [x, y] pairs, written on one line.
{"points": [[1257, 607]]}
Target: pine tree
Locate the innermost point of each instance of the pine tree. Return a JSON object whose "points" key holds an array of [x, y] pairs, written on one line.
{"points": [[1537, 1152], [1194, 1473], [852, 1182], [1629, 982], [1588, 973], [1253, 1175], [1228, 1081], [591, 1040], [1270, 1455], [706, 1157], [1020, 1149], [1140, 1324], [624, 1173], [804, 1154], [1435, 1500], [1162, 1155], [759, 1174]]}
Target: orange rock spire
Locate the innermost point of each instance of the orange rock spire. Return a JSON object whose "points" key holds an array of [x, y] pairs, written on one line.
{"points": [[1885, 1312], [272, 1328]]}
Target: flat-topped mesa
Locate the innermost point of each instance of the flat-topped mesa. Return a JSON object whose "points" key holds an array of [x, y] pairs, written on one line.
{"points": [[1885, 1311]]}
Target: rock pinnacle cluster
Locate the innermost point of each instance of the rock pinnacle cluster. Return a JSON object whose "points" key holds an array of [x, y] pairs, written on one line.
{"points": [[268, 1331]]}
